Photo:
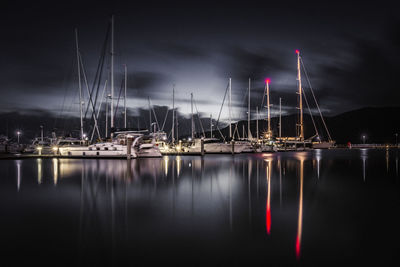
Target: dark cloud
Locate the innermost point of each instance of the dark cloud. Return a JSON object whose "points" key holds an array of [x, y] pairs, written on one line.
{"points": [[143, 84], [243, 64]]}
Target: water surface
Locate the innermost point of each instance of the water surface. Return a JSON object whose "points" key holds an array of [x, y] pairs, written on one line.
{"points": [[315, 207]]}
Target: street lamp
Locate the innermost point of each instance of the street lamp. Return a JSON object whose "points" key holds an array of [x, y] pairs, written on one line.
{"points": [[363, 137], [396, 138], [18, 134]]}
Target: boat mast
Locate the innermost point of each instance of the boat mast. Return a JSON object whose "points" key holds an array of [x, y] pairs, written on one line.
{"points": [[107, 116], [79, 82], [268, 108], [125, 96], [248, 116], [211, 125], [191, 102], [173, 114], [257, 121], [280, 117], [148, 99], [301, 134], [230, 104], [112, 74]]}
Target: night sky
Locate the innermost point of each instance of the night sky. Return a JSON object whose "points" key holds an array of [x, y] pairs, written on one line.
{"points": [[350, 51]]}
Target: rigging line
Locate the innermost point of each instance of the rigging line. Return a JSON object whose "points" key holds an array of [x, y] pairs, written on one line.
{"points": [[198, 116], [154, 113], [119, 97], [102, 58], [99, 70], [223, 101], [312, 92], [165, 119], [98, 110], [223, 137], [90, 98], [309, 110], [262, 102], [99, 73]]}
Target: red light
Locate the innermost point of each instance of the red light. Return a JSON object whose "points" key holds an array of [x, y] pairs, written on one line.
{"points": [[297, 51], [268, 80], [268, 219], [298, 248]]}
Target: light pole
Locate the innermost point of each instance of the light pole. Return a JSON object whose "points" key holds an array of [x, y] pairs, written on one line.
{"points": [[18, 134], [363, 137], [41, 132], [396, 134]]}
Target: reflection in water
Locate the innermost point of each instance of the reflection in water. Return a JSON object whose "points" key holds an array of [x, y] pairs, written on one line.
{"points": [[164, 204], [18, 174], [318, 158], [55, 171], [300, 216], [280, 181], [268, 210], [364, 156], [39, 170], [387, 160], [178, 165], [166, 158], [397, 163], [249, 167]]}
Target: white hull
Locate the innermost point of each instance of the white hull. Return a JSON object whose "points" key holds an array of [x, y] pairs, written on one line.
{"points": [[217, 148]]}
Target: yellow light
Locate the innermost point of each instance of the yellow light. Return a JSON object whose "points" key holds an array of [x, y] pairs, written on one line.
{"points": [[55, 148], [39, 148]]}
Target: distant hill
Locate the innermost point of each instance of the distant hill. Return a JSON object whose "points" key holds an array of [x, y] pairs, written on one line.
{"points": [[379, 125]]}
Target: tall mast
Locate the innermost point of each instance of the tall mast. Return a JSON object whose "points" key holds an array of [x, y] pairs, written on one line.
{"points": [[301, 134], [107, 116], [125, 97], [280, 117], [173, 114], [79, 82], [248, 116], [211, 125], [191, 101], [268, 108], [148, 98], [230, 104], [257, 121], [112, 73]]}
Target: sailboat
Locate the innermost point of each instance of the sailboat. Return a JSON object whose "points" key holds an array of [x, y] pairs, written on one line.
{"points": [[316, 141], [215, 145]]}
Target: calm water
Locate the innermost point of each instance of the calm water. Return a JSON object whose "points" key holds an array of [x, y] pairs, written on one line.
{"points": [[316, 207]]}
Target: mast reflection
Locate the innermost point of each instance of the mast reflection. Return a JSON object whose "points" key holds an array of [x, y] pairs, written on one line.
{"points": [[249, 167], [178, 165], [39, 170], [318, 158], [300, 216], [364, 155], [18, 174], [387, 160], [55, 171], [268, 206]]}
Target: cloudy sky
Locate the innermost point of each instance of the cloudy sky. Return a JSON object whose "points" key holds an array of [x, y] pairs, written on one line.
{"points": [[350, 51]]}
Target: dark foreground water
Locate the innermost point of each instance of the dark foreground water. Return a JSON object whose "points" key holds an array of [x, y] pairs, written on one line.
{"points": [[316, 207]]}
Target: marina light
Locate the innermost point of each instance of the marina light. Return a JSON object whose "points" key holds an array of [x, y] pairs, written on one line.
{"points": [[18, 134], [55, 148], [267, 80], [297, 51]]}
